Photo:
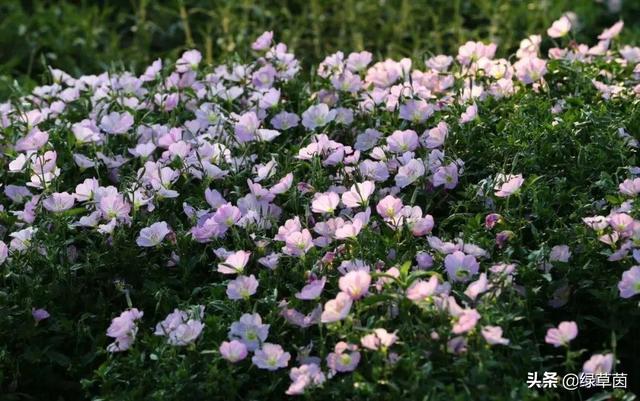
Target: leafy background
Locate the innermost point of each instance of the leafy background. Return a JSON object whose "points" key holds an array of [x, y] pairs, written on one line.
{"points": [[91, 36]]}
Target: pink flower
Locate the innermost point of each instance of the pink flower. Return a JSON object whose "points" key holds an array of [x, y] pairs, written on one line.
{"points": [[421, 290], [389, 207], [560, 253], [181, 327], [630, 283], [233, 351], [317, 116], [507, 185], [32, 141], [435, 137], [447, 176], [562, 335], [491, 220], [473, 51], [599, 364], [416, 111], [469, 114], [116, 123], [477, 287], [560, 27], [359, 194], [460, 267], [612, 31], [621, 222], [355, 284], [325, 203], [380, 338], [349, 230], [242, 287], [308, 374], [249, 330], [298, 243], [337, 309], [402, 141], [493, 335], [39, 314], [630, 187], [409, 173], [271, 357], [424, 260], [59, 202], [263, 42], [124, 329], [114, 207], [153, 235], [312, 290], [530, 69], [345, 358], [466, 321], [188, 61], [234, 263]]}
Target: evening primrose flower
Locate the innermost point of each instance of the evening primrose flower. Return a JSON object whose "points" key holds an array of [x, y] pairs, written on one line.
{"points": [[22, 239], [465, 321], [242, 287], [630, 283], [308, 374], [491, 220], [317, 116], [234, 263], [325, 202], [435, 137], [263, 42], [424, 260], [599, 364], [530, 69], [355, 284], [446, 176], [493, 335], [116, 123], [312, 290], [630, 187], [380, 338], [344, 358], [249, 330], [507, 185], [337, 309], [39, 314], [560, 253], [402, 141], [562, 335], [124, 329], [189, 61], [298, 243], [271, 357], [389, 207], [560, 27], [153, 235], [233, 351], [59, 202], [460, 267], [358, 194], [409, 173], [421, 290]]}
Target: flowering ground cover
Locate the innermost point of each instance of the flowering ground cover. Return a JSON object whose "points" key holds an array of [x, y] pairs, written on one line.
{"points": [[414, 229]]}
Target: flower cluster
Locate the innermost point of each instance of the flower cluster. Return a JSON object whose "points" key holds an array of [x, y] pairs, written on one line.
{"points": [[288, 193]]}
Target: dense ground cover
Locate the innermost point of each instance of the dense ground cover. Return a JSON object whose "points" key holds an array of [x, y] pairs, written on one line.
{"points": [[414, 229]]}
